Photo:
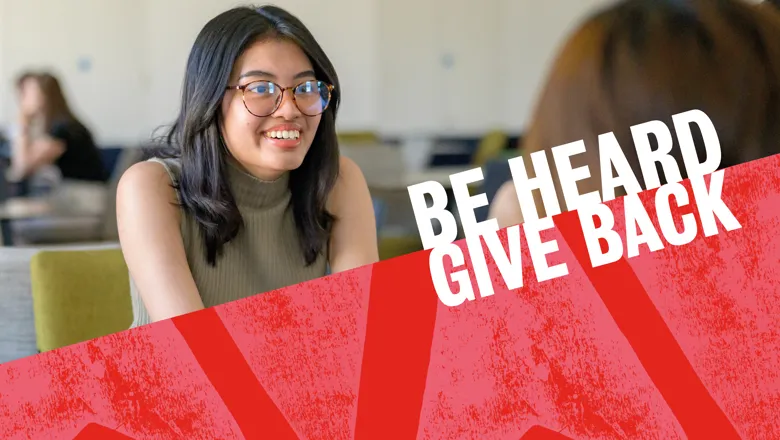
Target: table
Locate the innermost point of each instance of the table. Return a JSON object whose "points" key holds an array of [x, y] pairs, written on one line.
{"points": [[402, 179], [22, 208], [440, 174], [385, 168], [388, 174]]}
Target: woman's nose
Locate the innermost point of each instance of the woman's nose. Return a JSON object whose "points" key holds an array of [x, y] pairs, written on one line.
{"points": [[287, 108]]}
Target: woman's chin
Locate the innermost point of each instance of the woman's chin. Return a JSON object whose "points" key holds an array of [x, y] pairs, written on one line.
{"points": [[282, 163], [291, 164], [285, 158]]}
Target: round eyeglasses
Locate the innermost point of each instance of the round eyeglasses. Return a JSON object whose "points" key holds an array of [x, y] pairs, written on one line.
{"points": [[263, 98]]}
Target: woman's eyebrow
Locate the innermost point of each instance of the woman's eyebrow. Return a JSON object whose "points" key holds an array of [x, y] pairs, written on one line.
{"points": [[257, 73], [304, 74]]}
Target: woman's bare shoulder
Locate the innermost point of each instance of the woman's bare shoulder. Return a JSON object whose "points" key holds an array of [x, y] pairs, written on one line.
{"points": [[147, 186], [147, 178], [148, 219]]}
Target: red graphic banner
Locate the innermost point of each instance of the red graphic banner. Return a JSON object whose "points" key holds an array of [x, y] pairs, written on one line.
{"points": [[679, 343]]}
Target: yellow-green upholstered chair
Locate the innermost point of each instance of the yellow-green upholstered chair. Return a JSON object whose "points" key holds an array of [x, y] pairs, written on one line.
{"points": [[391, 247], [79, 295], [491, 146], [358, 137]]}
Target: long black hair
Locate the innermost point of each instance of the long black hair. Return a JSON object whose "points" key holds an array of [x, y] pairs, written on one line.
{"points": [[195, 138]]}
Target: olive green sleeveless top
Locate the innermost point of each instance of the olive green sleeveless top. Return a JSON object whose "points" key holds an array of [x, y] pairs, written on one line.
{"points": [[264, 256]]}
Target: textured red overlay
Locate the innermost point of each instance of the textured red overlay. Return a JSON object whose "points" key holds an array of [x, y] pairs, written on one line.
{"points": [[257, 415], [99, 432], [399, 349], [679, 343], [652, 342]]}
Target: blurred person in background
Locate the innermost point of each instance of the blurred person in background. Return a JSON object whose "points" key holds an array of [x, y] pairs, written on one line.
{"points": [[250, 194], [645, 60], [7, 134], [48, 133], [13, 130]]}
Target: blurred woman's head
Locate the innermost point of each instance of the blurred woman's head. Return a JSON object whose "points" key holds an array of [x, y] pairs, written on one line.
{"points": [[258, 91], [644, 60], [40, 95], [21, 80], [30, 94]]}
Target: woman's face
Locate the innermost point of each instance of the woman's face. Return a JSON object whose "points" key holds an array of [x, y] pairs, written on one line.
{"points": [[269, 146], [30, 97]]}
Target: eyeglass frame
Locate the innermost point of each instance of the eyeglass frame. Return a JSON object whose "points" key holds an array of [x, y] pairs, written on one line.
{"points": [[279, 101]]}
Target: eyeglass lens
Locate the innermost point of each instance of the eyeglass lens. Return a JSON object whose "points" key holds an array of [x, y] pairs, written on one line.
{"points": [[263, 97]]}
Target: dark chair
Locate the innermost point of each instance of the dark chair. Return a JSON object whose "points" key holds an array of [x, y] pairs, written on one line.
{"points": [[5, 146], [110, 156], [5, 185], [380, 212]]}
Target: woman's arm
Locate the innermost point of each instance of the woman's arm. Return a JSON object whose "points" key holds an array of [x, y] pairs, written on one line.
{"points": [[353, 240], [148, 220], [27, 156]]}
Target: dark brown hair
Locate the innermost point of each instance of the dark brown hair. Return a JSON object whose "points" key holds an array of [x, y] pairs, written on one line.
{"points": [[55, 106], [644, 60]]}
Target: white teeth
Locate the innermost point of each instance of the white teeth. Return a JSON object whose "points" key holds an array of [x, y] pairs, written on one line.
{"points": [[284, 134]]}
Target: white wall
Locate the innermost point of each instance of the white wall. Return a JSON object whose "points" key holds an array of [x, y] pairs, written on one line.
{"points": [[532, 32], [5, 96], [58, 35], [406, 66], [351, 49]]}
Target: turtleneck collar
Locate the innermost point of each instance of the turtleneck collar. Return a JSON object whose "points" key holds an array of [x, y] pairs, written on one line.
{"points": [[251, 192]]}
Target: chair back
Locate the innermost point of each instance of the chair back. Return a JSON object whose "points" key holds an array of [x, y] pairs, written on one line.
{"points": [[79, 295], [110, 156], [380, 213], [5, 187], [17, 327], [491, 146], [359, 137], [17, 322]]}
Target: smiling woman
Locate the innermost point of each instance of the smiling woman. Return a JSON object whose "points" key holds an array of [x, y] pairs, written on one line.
{"points": [[249, 193]]}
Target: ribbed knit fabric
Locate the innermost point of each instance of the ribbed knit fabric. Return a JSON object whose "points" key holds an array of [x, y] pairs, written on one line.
{"points": [[264, 256]]}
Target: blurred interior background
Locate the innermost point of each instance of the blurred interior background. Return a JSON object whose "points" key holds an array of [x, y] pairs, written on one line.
{"points": [[425, 84], [429, 88]]}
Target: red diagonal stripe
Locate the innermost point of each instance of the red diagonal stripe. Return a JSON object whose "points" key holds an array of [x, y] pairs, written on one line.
{"points": [[399, 333], [539, 433], [654, 344], [219, 357], [93, 431]]}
